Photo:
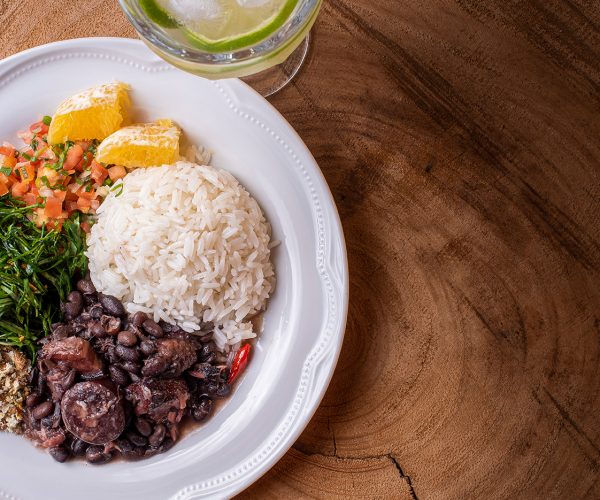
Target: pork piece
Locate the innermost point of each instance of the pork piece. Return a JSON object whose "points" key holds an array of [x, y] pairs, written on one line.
{"points": [[74, 352], [46, 437], [59, 379], [163, 401], [172, 358], [93, 413]]}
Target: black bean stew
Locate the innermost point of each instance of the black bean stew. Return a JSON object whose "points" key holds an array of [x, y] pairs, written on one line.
{"points": [[106, 383]]}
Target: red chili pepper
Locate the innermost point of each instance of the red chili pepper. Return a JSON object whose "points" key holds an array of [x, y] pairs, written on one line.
{"points": [[239, 363]]}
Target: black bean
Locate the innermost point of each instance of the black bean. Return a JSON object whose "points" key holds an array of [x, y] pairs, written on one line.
{"points": [[130, 367], [79, 329], [207, 355], [69, 380], [96, 455], [112, 305], [32, 400], [111, 324], [59, 453], [154, 366], [118, 376], [136, 439], [167, 445], [134, 377], [205, 371], [41, 383], [147, 347], [111, 355], [61, 332], [86, 286], [138, 318], [33, 375], [72, 309], [157, 437], [192, 384], [96, 311], [223, 390], [202, 408], [127, 353], [76, 298], [143, 427], [128, 339], [151, 327], [212, 388], [89, 299], [96, 329], [167, 327], [78, 447], [42, 410], [125, 446], [52, 420]]}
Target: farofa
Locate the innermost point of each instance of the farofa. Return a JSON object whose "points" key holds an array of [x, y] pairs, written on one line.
{"points": [[14, 371]]}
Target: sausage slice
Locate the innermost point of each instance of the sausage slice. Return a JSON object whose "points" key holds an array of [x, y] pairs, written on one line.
{"points": [[93, 413]]}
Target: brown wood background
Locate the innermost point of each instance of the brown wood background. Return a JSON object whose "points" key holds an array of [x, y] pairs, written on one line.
{"points": [[461, 140]]}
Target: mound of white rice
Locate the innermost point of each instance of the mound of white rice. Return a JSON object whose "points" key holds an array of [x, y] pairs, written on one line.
{"points": [[186, 244]]}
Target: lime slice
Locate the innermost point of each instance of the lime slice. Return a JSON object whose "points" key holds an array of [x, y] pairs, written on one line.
{"points": [[226, 25], [156, 14]]}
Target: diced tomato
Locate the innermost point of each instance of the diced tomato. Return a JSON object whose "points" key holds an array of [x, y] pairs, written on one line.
{"points": [[47, 153], [7, 151], [51, 175], [30, 199], [84, 144], [7, 161], [26, 171], [88, 195], [6, 180], [3, 188], [85, 162], [94, 204], [73, 158], [99, 173], [18, 189], [54, 225], [84, 205], [60, 194], [39, 128], [53, 207], [70, 206], [28, 152], [117, 172], [86, 227], [70, 196]]}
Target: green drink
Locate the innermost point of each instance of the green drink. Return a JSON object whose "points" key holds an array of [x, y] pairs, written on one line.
{"points": [[227, 38]]}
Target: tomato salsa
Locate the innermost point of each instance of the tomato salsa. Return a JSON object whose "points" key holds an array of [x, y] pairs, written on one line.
{"points": [[56, 180]]}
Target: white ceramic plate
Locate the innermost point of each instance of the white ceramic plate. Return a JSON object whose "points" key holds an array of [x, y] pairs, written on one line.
{"points": [[304, 325]]}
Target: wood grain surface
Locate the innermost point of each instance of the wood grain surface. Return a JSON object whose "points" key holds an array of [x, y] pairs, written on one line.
{"points": [[461, 140]]}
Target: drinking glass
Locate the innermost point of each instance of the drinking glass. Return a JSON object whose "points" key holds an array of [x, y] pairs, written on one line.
{"points": [[267, 64]]}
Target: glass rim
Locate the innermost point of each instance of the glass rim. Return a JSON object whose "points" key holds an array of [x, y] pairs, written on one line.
{"points": [[302, 14]]}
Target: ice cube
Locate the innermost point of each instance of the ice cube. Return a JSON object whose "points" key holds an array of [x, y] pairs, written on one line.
{"points": [[254, 3], [195, 10]]}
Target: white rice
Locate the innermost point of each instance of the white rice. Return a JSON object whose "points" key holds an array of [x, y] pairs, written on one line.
{"points": [[186, 244]]}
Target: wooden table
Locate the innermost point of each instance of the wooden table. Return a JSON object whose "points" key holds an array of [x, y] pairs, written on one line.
{"points": [[461, 140]]}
